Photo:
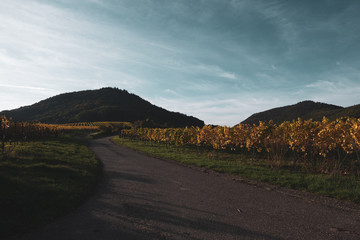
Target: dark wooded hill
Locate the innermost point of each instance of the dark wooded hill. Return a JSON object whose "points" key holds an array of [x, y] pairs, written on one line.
{"points": [[106, 104], [304, 110]]}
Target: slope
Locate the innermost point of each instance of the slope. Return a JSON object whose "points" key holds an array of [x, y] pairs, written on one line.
{"points": [[106, 104], [304, 110]]}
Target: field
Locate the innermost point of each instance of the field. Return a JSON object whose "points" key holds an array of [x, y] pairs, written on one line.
{"points": [[42, 180], [45, 172]]}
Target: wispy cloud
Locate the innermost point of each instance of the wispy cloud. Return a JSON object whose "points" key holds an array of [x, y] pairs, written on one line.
{"points": [[218, 60], [219, 110], [227, 75], [14, 96], [342, 87], [46, 44], [172, 92], [214, 70], [26, 87]]}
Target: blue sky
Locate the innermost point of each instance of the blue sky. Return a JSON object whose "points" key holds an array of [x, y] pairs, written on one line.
{"points": [[218, 60]]}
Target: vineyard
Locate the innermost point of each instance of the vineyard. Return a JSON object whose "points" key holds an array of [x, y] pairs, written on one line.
{"points": [[13, 133], [92, 125], [22, 131], [316, 146]]}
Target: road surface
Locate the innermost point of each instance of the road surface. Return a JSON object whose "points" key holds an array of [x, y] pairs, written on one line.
{"points": [[141, 197]]}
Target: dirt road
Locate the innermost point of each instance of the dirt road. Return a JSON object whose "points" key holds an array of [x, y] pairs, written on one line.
{"points": [[141, 197]]}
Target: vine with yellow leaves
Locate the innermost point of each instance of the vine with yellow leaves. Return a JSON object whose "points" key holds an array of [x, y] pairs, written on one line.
{"points": [[12, 133], [317, 146]]}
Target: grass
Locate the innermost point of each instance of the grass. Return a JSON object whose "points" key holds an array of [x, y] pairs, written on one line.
{"points": [[340, 187], [42, 180]]}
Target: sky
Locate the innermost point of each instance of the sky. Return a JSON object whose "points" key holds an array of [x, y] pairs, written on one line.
{"points": [[217, 60]]}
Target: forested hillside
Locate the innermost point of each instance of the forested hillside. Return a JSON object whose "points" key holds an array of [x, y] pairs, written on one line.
{"points": [[304, 110], [106, 104]]}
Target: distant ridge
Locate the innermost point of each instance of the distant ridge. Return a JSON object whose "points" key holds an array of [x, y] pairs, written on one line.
{"points": [[305, 110], [106, 104]]}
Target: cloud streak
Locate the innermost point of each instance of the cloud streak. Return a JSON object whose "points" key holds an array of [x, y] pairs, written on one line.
{"points": [[25, 87]]}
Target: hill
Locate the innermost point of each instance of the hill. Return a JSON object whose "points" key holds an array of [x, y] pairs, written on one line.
{"points": [[305, 110], [106, 104]]}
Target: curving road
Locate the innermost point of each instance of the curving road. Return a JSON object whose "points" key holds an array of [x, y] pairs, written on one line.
{"points": [[141, 197]]}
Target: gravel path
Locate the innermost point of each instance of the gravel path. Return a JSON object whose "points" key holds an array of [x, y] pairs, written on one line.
{"points": [[141, 197]]}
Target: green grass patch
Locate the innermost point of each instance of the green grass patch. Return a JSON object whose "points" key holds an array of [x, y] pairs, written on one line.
{"points": [[42, 180], [340, 187]]}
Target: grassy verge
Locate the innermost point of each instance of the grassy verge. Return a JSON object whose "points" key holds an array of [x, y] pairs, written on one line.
{"points": [[340, 187], [42, 180]]}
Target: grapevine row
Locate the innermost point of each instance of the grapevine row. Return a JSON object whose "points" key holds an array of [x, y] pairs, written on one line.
{"points": [[322, 146]]}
